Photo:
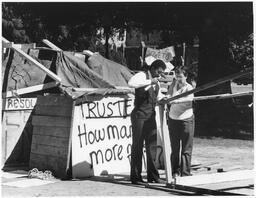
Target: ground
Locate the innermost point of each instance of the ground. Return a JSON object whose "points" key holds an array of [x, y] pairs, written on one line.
{"points": [[225, 154]]}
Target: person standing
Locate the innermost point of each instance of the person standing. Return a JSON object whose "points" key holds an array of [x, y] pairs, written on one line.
{"points": [[147, 93], [181, 124]]}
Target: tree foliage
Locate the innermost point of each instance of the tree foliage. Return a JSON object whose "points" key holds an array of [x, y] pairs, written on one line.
{"points": [[75, 26]]}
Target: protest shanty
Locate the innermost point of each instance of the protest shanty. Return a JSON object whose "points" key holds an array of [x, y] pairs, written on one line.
{"points": [[66, 115]]}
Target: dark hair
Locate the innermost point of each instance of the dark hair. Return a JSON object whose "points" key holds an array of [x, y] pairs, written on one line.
{"points": [[181, 70], [158, 63]]}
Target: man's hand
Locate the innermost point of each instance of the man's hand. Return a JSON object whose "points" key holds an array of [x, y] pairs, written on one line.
{"points": [[163, 100], [154, 81]]}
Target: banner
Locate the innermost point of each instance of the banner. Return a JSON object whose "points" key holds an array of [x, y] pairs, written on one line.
{"points": [[165, 54], [19, 103], [102, 137]]}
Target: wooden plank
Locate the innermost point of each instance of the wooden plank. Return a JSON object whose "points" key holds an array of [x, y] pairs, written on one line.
{"points": [[31, 89], [50, 131], [51, 45], [50, 141], [206, 165], [102, 89], [11, 44], [166, 144], [88, 52], [209, 85], [217, 97], [49, 150], [69, 154], [201, 191], [214, 178], [39, 65], [46, 162], [239, 186], [54, 99], [54, 121], [224, 96], [52, 110]]}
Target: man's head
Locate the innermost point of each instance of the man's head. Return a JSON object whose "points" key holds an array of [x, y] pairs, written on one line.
{"points": [[157, 68]]}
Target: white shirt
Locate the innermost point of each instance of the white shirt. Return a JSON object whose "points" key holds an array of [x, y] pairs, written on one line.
{"points": [[181, 108], [140, 80]]}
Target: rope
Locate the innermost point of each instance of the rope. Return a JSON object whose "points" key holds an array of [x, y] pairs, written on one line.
{"points": [[35, 173]]}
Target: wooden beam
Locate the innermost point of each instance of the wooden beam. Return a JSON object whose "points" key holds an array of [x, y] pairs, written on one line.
{"points": [[31, 89], [88, 52], [69, 154], [209, 85], [166, 144], [51, 45], [39, 65], [214, 178], [219, 96], [224, 96], [11, 44], [118, 89]]}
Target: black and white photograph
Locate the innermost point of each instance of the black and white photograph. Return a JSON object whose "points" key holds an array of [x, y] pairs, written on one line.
{"points": [[127, 98]]}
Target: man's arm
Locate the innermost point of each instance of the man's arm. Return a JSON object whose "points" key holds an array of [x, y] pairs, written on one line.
{"points": [[139, 80]]}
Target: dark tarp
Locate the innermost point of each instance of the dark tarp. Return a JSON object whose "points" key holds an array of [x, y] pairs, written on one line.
{"points": [[97, 72], [76, 73], [112, 72]]}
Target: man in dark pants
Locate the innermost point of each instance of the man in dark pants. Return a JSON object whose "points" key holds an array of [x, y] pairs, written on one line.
{"points": [[147, 92]]}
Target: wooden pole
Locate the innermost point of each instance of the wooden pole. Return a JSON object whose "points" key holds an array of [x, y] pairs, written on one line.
{"points": [[209, 85], [220, 96], [142, 53], [184, 54], [26, 90], [39, 65], [51, 45]]}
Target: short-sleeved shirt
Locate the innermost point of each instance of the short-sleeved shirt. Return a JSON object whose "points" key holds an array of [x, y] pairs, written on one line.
{"points": [[181, 111]]}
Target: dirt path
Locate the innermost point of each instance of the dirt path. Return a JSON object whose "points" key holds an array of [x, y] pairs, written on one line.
{"points": [[227, 153]]}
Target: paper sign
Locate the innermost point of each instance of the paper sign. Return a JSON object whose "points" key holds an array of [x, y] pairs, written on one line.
{"points": [[102, 137], [165, 54], [20, 103]]}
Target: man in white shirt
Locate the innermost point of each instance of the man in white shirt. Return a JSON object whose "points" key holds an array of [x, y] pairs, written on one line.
{"points": [[147, 93]]}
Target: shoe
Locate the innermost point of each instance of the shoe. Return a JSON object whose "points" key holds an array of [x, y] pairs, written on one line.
{"points": [[187, 175], [138, 182], [175, 175], [159, 181]]}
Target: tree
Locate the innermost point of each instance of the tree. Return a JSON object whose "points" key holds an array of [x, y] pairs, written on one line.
{"points": [[214, 63], [216, 24]]}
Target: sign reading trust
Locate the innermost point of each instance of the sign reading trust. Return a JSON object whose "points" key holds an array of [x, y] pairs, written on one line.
{"points": [[102, 137]]}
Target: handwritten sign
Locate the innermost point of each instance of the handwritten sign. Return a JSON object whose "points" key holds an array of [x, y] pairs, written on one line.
{"points": [[19, 103], [102, 137], [165, 54]]}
